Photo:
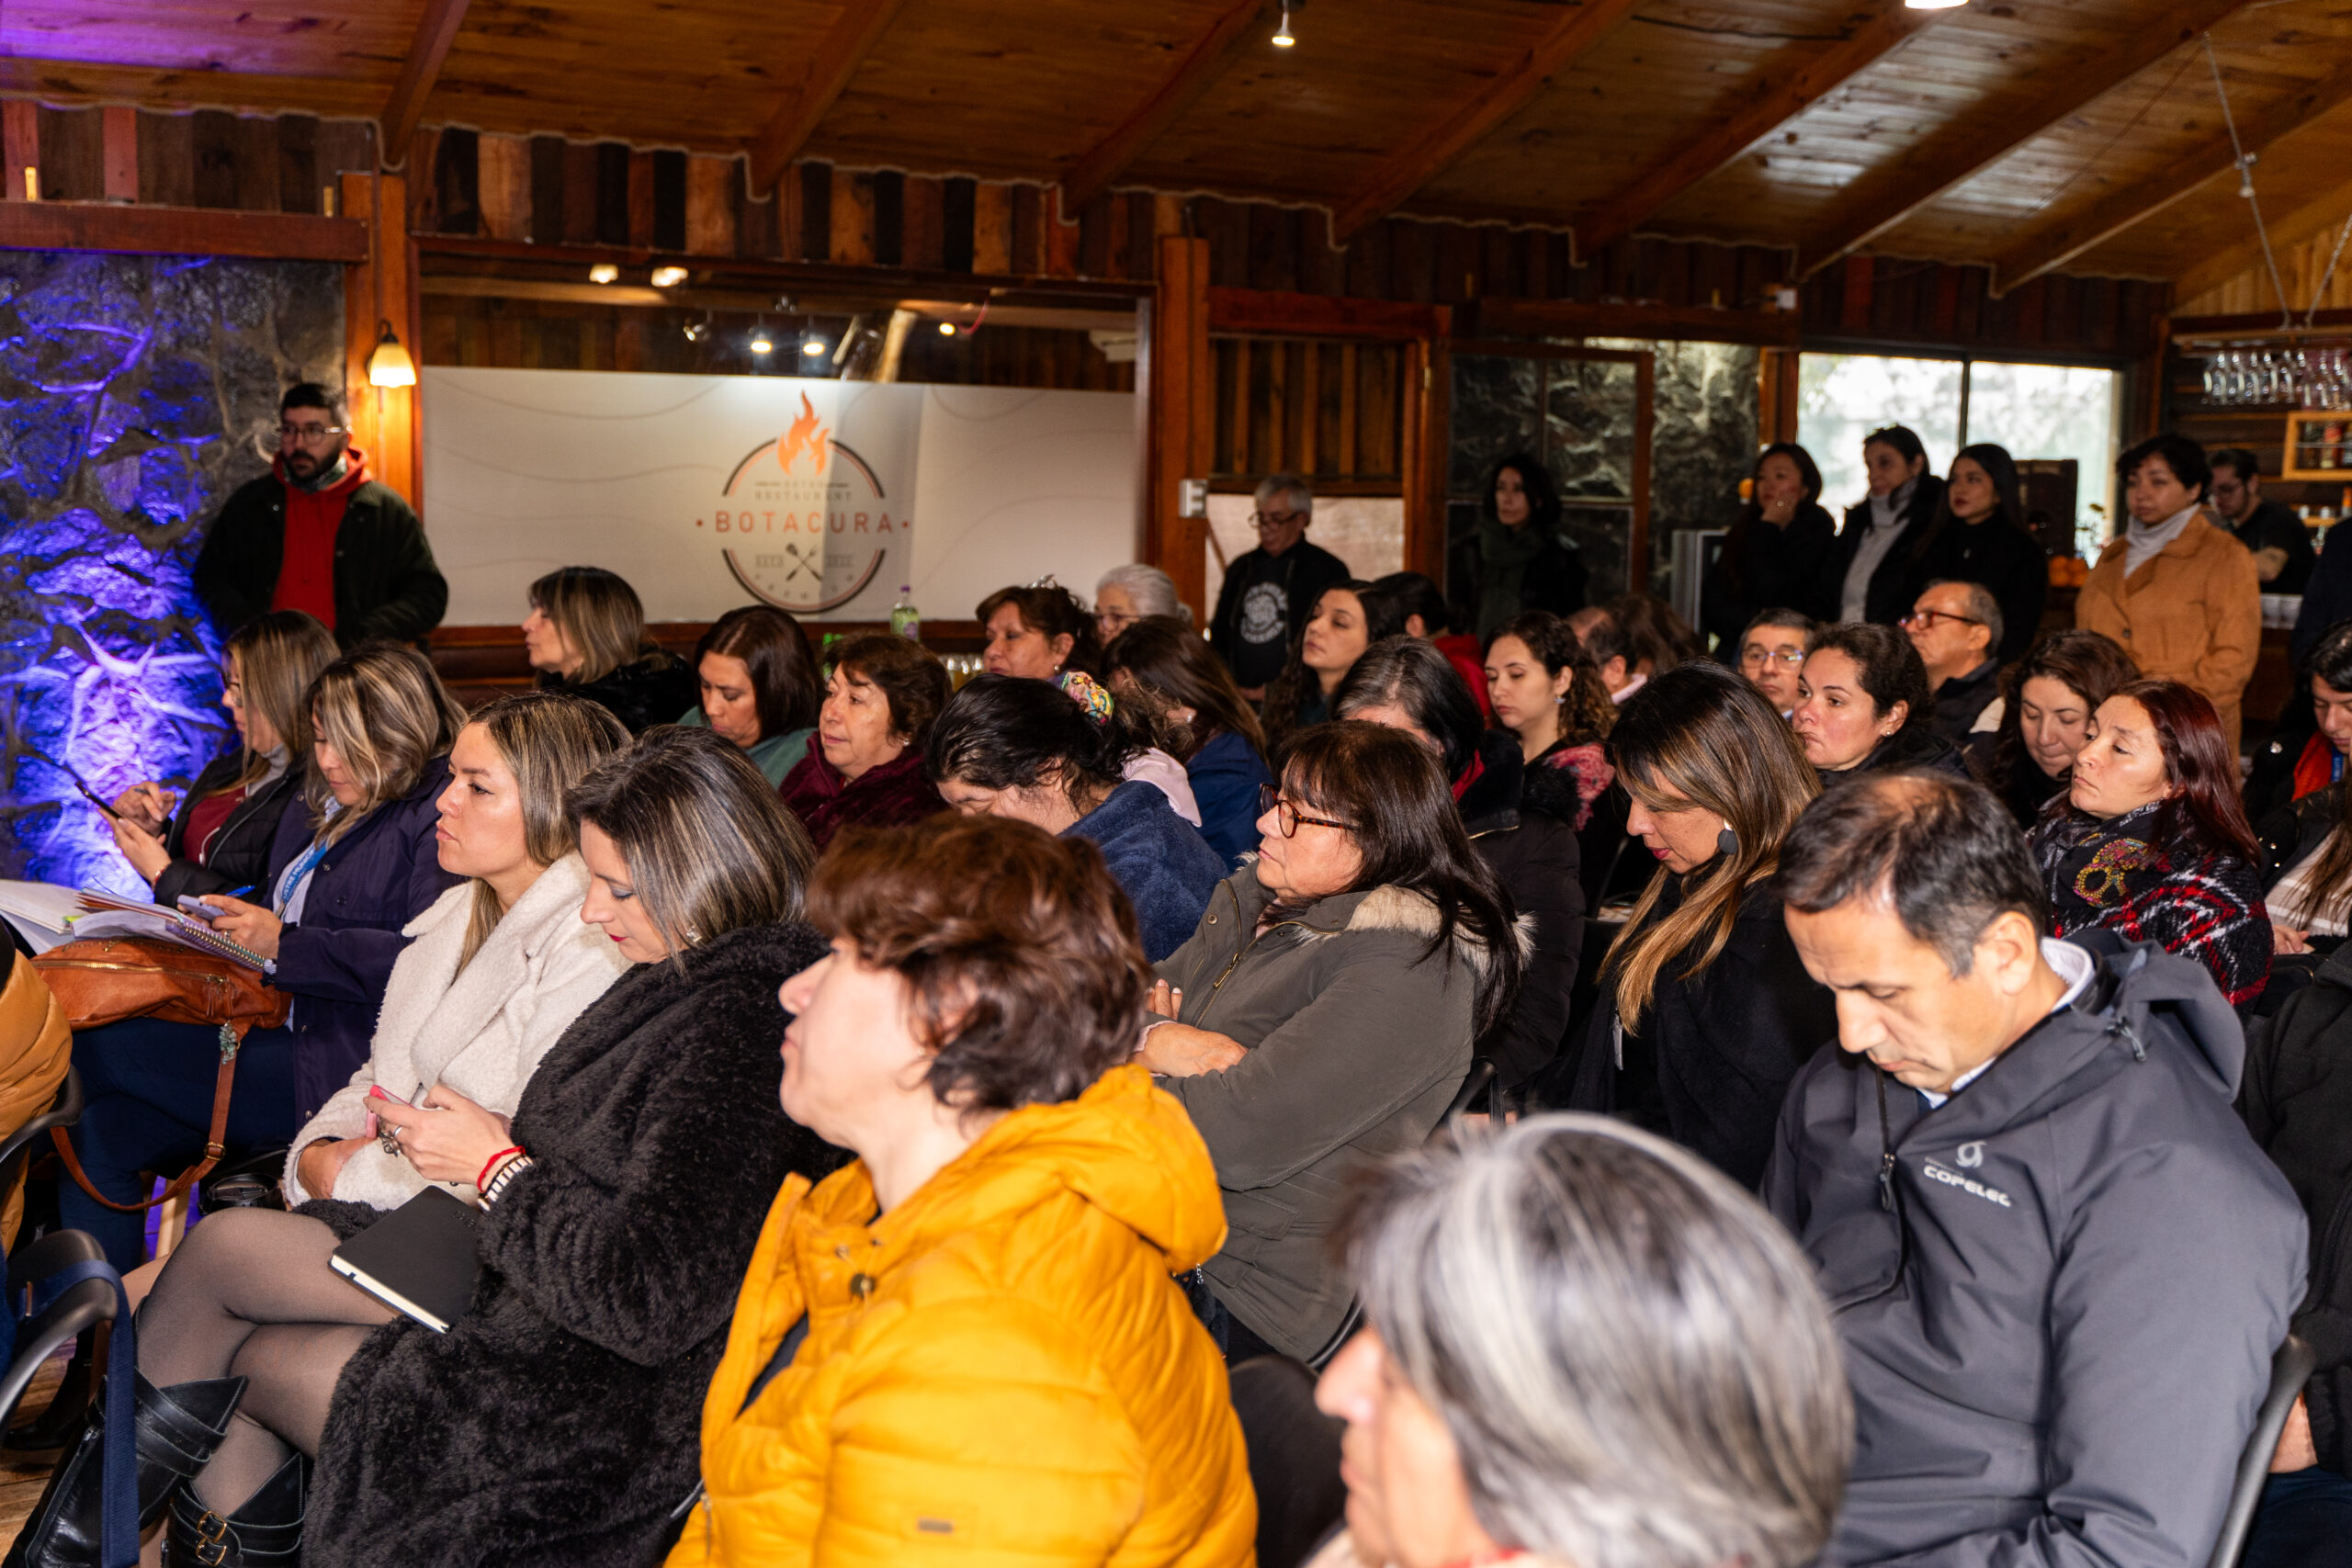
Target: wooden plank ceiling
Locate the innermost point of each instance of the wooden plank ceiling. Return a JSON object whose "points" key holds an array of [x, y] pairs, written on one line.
{"points": [[2030, 135]]}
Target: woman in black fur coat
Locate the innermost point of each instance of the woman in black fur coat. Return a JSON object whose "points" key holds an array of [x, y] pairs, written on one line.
{"points": [[556, 1422]]}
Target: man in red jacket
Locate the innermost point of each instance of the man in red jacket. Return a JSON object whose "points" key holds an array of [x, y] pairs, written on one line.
{"points": [[317, 535]]}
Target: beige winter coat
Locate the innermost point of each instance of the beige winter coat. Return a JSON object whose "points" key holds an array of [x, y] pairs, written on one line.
{"points": [[2192, 614], [480, 1031]]}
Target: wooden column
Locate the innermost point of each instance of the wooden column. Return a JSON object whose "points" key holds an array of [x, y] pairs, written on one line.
{"points": [[1429, 443], [384, 422], [1776, 396], [1177, 411]]}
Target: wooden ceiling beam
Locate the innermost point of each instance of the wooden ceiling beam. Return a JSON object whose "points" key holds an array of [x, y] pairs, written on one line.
{"points": [[1781, 96], [1194, 75], [435, 31], [830, 64], [1967, 150], [1400, 176], [2055, 244], [2313, 219]]}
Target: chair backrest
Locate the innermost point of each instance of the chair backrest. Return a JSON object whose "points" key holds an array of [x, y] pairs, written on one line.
{"points": [[1294, 1457], [2290, 1368]]}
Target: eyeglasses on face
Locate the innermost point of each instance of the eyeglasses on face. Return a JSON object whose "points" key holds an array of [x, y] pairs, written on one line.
{"points": [[1287, 817], [1275, 519], [1925, 619], [1757, 653], [289, 435]]}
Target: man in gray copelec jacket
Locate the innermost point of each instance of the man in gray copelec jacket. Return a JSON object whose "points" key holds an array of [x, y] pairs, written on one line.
{"points": [[2059, 1264]]}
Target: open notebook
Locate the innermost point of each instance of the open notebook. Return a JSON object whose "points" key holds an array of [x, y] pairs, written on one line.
{"points": [[48, 915]]}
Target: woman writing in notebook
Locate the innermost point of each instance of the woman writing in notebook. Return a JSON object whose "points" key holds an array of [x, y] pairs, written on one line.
{"points": [[555, 1421], [218, 839], [344, 875]]}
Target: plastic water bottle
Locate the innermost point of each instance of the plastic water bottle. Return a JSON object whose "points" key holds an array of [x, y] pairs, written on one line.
{"points": [[905, 621]]}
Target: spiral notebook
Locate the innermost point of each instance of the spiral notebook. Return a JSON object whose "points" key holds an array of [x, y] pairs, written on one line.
{"points": [[105, 914]]}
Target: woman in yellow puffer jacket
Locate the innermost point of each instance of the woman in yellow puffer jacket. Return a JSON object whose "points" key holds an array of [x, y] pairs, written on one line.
{"points": [[967, 1345]]}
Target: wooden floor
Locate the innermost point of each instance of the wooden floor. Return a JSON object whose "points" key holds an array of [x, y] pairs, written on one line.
{"points": [[22, 1476]]}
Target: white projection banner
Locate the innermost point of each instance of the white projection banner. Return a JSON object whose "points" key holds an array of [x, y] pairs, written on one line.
{"points": [[709, 491]]}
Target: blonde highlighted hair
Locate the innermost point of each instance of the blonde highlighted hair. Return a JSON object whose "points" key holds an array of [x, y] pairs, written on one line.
{"points": [[550, 742], [387, 715], [276, 659], [1700, 738]]}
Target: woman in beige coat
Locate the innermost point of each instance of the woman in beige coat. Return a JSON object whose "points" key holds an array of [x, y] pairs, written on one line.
{"points": [[500, 964], [2176, 589]]}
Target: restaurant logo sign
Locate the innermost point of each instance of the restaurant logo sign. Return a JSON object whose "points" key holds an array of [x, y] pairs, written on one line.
{"points": [[804, 521]]}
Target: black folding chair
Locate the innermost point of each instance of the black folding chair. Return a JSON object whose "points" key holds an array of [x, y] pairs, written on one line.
{"points": [[1294, 1457], [2290, 1368], [69, 1317]]}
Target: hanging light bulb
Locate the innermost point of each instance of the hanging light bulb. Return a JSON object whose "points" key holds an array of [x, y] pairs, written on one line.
{"points": [[947, 329], [603, 272], [668, 276], [761, 343], [1932, 5], [812, 346], [1283, 40], [390, 365]]}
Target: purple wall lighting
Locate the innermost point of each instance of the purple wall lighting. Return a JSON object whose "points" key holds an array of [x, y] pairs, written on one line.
{"points": [[135, 393]]}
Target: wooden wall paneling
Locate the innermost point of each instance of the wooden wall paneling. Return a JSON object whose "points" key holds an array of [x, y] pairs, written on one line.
{"points": [[923, 214], [421, 64], [890, 218], [257, 164], [138, 229], [640, 201], [791, 200], [1062, 240], [20, 132], [1411, 273], [759, 220], [381, 288], [991, 229], [1180, 407], [583, 192], [667, 177], [342, 144], [1854, 304], [1028, 229], [1234, 406], [1090, 250], [1429, 384], [612, 207], [710, 205], [1380, 421], [166, 161], [1350, 371], [457, 182], [503, 187], [118, 151], [828, 64], [852, 240], [73, 156], [813, 235], [423, 197], [548, 166], [1308, 428], [958, 225], [298, 162], [1778, 397], [1273, 248]]}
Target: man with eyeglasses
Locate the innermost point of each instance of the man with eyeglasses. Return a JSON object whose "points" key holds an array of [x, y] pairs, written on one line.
{"points": [[1956, 626], [1771, 651], [316, 534], [1270, 591]]}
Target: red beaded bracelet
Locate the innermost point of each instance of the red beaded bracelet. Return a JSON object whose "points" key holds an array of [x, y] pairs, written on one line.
{"points": [[483, 1179]]}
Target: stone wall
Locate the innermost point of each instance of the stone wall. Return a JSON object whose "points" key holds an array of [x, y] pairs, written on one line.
{"points": [[135, 393]]}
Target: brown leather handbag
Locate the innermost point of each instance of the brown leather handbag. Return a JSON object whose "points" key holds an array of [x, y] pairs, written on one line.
{"points": [[110, 979]]}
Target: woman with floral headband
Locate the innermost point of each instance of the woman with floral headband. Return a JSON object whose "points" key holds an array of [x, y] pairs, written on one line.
{"points": [[1054, 755]]}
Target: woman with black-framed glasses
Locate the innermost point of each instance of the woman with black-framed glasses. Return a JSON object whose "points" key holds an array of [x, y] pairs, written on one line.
{"points": [[1323, 1013]]}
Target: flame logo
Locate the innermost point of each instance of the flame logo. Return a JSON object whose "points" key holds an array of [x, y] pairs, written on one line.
{"points": [[806, 438]]}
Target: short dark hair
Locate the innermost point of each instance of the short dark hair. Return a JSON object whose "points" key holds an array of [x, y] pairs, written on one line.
{"points": [[1415, 595], [1029, 980], [1982, 608], [1892, 671], [1942, 852], [2183, 456], [1006, 731], [2330, 658], [311, 395], [1901, 437], [1603, 636], [786, 689], [2237, 459], [1792, 620], [1415, 676], [1655, 634], [1050, 608], [909, 676]]}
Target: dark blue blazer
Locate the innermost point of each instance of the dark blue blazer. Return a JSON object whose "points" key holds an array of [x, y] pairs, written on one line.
{"points": [[382, 873], [1226, 774], [1167, 870]]}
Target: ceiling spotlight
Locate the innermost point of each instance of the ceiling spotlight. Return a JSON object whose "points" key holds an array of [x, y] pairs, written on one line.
{"points": [[696, 331], [669, 277], [1283, 40], [760, 344], [603, 272], [813, 347], [1932, 5], [947, 329]]}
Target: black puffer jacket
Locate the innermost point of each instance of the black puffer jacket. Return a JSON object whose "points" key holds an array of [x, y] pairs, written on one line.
{"points": [[239, 854], [1913, 746], [2297, 1102], [656, 689], [1763, 567], [2005, 560], [556, 1423], [1535, 855], [2291, 832]]}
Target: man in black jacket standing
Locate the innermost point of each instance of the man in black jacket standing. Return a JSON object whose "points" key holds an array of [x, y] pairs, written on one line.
{"points": [[317, 535], [2058, 1265], [2283, 555], [1270, 591]]}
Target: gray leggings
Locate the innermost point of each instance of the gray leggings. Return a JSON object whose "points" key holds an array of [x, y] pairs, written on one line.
{"points": [[250, 1294]]}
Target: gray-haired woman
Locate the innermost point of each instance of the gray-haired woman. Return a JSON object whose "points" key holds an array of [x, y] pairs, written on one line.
{"points": [[1582, 1345], [1128, 593]]}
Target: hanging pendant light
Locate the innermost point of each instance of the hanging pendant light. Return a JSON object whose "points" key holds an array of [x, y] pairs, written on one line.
{"points": [[1284, 38], [390, 365]]}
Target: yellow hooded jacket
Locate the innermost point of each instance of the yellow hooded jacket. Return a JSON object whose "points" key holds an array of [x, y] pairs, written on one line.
{"points": [[1000, 1371]]}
